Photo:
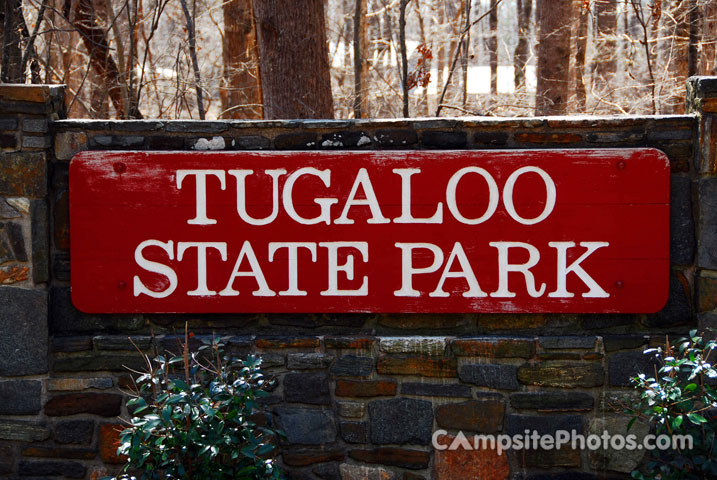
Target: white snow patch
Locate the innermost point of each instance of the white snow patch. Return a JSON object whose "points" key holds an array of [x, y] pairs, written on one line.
{"points": [[364, 140], [216, 143], [331, 143]]}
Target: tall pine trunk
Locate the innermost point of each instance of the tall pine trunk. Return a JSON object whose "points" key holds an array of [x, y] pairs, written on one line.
{"points": [[708, 62], [677, 53], [293, 59], [553, 57], [581, 42], [493, 46], [241, 95], [520, 55], [360, 41], [12, 71], [605, 61]]}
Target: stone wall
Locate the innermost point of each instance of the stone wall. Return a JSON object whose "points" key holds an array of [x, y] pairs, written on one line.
{"points": [[358, 395]]}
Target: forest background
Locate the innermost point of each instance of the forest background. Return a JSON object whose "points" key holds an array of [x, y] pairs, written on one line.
{"points": [[256, 59]]}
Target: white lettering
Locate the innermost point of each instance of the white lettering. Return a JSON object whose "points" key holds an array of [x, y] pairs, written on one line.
{"points": [[201, 193], [550, 195], [595, 291], [408, 270], [466, 272], [241, 175], [504, 268], [202, 248], [248, 252], [348, 268], [494, 196], [406, 216], [293, 260], [155, 267], [324, 203]]}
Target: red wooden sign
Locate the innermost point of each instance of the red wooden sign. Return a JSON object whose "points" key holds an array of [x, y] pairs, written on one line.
{"points": [[459, 231]]}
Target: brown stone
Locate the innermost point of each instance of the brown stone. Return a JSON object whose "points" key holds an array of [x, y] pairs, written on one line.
{"points": [[562, 374], [494, 347], [103, 404], [706, 293], [482, 415], [396, 457], [302, 458], [288, 342], [25, 93], [417, 365], [377, 388], [709, 105], [23, 175], [62, 221], [359, 343], [482, 464], [424, 321], [50, 452], [565, 457], [542, 138], [363, 472], [109, 442], [511, 322]]}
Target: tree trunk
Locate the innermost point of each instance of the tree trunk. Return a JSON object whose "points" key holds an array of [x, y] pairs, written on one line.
{"points": [[677, 52], [708, 63], [580, 47], [493, 46], [404, 59], [695, 19], [465, 47], [520, 55], [12, 71], [95, 41], [241, 95], [293, 59], [553, 57], [360, 39], [605, 61]]}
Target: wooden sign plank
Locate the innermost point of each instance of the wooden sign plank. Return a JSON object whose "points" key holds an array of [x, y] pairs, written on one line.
{"points": [[390, 231]]}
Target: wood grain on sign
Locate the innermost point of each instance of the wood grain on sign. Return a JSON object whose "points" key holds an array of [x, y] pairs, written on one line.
{"points": [[392, 231]]}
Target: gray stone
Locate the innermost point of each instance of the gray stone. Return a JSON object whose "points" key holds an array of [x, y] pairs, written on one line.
{"points": [[7, 459], [400, 421], [8, 124], [567, 342], [337, 140], [354, 432], [6, 254], [51, 468], [421, 345], [71, 384], [138, 125], [23, 321], [99, 363], [617, 401], [608, 137], [7, 211], [68, 144], [312, 388], [73, 431], [308, 361], [443, 139], [20, 397], [116, 141], [296, 141], [353, 366], [34, 125], [623, 342], [490, 138], [395, 138], [363, 472], [66, 319], [196, 126], [617, 460], [36, 142], [682, 225], [624, 365], [269, 360], [40, 242], [251, 142], [71, 344], [436, 389], [552, 401], [545, 425], [670, 134], [707, 229], [306, 426], [327, 471], [17, 240], [351, 409], [122, 342], [502, 377], [677, 311], [22, 431]]}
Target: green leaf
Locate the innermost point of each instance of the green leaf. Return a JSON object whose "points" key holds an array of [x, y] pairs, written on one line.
{"points": [[696, 418]]}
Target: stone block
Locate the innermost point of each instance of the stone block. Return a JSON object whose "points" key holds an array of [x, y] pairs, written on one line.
{"points": [[99, 362], [552, 401], [547, 425], [303, 457], [29, 141], [66, 319], [73, 431], [548, 138], [354, 432], [435, 389], [444, 139], [395, 457], [8, 141], [707, 226], [617, 459], [102, 404], [61, 452], [678, 309], [116, 141], [13, 235], [424, 321], [416, 365], [20, 397], [364, 388], [23, 175], [61, 220], [490, 139], [23, 321], [419, 345], [706, 291], [351, 409], [75, 384], [481, 464], [7, 211], [19, 431], [71, 344], [483, 415], [624, 365], [288, 342], [400, 421], [67, 144], [195, 126], [164, 142], [109, 441], [40, 241], [682, 225], [362, 472], [296, 141], [613, 343], [8, 123], [122, 342], [7, 459], [312, 388], [353, 366], [566, 342], [395, 138], [308, 361], [562, 374], [306, 426], [327, 471], [494, 347], [501, 377], [251, 142], [349, 342], [346, 139], [51, 468]]}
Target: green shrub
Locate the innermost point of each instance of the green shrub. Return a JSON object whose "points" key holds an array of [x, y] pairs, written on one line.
{"points": [[677, 400], [193, 418]]}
